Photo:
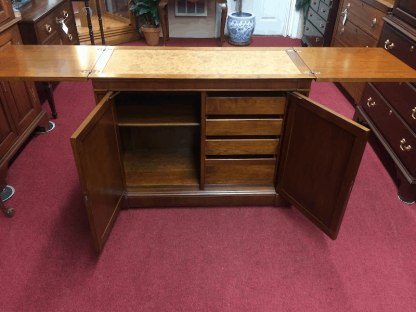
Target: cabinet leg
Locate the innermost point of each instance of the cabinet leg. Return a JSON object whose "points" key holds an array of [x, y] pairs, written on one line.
{"points": [[224, 10], [163, 20], [407, 191], [7, 211], [49, 94]]}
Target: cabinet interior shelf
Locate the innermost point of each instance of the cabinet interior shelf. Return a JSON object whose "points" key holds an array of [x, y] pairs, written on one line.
{"points": [[161, 167]]}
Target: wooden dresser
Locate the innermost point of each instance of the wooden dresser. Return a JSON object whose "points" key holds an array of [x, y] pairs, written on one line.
{"points": [[20, 109], [177, 127], [320, 22], [359, 24], [390, 108]]}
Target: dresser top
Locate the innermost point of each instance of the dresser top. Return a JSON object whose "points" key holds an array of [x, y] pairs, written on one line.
{"points": [[33, 12]]}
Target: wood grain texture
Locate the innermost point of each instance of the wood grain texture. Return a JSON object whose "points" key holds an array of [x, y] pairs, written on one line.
{"points": [[224, 171], [356, 65], [245, 105], [243, 127], [241, 147]]}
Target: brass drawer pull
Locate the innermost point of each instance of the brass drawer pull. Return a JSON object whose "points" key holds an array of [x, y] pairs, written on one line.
{"points": [[342, 31], [48, 28], [405, 148], [70, 37], [412, 48], [314, 2], [65, 14], [374, 22], [323, 10], [4, 86], [321, 25], [388, 45], [317, 39], [370, 102], [413, 113]]}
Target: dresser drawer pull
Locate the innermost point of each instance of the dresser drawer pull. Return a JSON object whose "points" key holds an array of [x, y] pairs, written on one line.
{"points": [[48, 28], [370, 102], [342, 31], [374, 22], [388, 45], [310, 14], [317, 39], [65, 14], [314, 2], [412, 48], [323, 10], [404, 148], [4, 86], [70, 37], [306, 27], [413, 113], [321, 25]]}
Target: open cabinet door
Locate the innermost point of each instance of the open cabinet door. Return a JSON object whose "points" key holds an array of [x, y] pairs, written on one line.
{"points": [[96, 150], [319, 159]]}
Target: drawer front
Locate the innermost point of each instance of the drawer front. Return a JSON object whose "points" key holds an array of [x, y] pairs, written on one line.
{"points": [[328, 2], [400, 138], [317, 21], [228, 127], [71, 37], [245, 105], [402, 96], [323, 10], [315, 5], [399, 45], [241, 147], [46, 28], [230, 171], [314, 37], [365, 17], [352, 36]]}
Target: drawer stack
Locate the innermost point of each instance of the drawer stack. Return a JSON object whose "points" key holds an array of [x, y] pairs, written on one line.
{"points": [[241, 136]]}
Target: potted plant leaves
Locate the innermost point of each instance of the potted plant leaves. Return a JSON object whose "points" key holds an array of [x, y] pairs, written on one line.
{"points": [[240, 26], [148, 16]]}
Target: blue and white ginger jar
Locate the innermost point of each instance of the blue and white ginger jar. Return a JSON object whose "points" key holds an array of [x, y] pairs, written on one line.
{"points": [[241, 27]]}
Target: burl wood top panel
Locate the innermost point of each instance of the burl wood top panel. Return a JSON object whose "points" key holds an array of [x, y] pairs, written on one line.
{"points": [[48, 63], [197, 63], [356, 65]]}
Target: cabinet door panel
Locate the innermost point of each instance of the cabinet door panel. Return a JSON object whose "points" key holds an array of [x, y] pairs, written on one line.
{"points": [[7, 131], [319, 159], [96, 150], [6, 11]]}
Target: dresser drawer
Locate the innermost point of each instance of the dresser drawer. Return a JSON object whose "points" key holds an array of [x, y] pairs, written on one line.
{"points": [[316, 20], [352, 36], [399, 45], [71, 37], [241, 147], [230, 171], [365, 17], [315, 5], [323, 10], [402, 97], [46, 28], [397, 134], [314, 36], [230, 127], [230, 103]]}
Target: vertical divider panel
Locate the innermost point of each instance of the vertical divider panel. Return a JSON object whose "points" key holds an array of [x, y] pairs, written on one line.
{"points": [[203, 137]]}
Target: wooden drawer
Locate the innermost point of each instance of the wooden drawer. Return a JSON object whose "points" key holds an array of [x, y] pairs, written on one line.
{"points": [[391, 126], [315, 5], [257, 104], [227, 127], [46, 28], [402, 97], [366, 17], [71, 37], [241, 147], [317, 21], [229, 171], [323, 10], [399, 45], [352, 36], [314, 36]]}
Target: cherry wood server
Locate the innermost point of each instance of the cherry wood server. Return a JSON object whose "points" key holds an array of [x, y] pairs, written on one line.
{"points": [[20, 109], [189, 127], [389, 109]]}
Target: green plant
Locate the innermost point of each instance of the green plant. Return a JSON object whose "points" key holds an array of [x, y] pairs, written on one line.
{"points": [[239, 7], [146, 11]]}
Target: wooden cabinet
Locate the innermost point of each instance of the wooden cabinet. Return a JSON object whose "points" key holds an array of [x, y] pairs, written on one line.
{"points": [[390, 108], [320, 23], [359, 24], [6, 11], [180, 127]]}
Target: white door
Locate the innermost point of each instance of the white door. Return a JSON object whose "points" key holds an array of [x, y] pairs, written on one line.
{"points": [[273, 17]]}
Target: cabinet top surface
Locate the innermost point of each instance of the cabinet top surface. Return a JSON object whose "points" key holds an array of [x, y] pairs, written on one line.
{"points": [[65, 63], [32, 12]]}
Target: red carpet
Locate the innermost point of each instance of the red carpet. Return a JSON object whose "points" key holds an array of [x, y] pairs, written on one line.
{"points": [[206, 259]]}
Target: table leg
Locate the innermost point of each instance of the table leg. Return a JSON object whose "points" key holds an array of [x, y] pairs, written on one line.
{"points": [[87, 8], [49, 95], [163, 20], [224, 12]]}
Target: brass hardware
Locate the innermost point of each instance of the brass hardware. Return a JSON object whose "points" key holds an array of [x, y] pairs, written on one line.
{"points": [[65, 14], [370, 102], [60, 41], [374, 22], [33, 95], [348, 5], [388, 45], [314, 2], [323, 10], [4, 86], [310, 14], [390, 112], [317, 39], [413, 113], [321, 25], [342, 31], [412, 48], [48, 28], [70, 37], [405, 148]]}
